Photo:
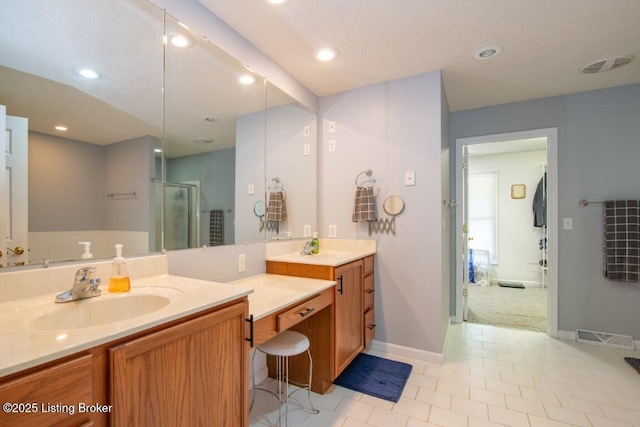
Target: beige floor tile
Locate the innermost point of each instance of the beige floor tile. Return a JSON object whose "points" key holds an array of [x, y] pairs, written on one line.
{"points": [[491, 377]]}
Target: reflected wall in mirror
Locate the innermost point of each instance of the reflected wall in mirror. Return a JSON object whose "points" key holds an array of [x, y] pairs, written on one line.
{"points": [[92, 181], [291, 167], [214, 153]]}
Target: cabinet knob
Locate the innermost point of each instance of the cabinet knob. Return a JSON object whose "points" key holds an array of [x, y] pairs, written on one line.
{"points": [[373, 325], [370, 291]]}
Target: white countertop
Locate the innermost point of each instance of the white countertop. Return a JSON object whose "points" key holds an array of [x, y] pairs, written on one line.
{"points": [[273, 292], [333, 252], [23, 347]]}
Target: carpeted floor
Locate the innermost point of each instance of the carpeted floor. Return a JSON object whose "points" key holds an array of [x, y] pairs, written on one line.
{"points": [[508, 307]]}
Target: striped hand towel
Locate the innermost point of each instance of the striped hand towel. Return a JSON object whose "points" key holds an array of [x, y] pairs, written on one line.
{"points": [[364, 207], [622, 240]]}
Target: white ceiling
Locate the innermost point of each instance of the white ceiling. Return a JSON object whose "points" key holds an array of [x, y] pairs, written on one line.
{"points": [[546, 43]]}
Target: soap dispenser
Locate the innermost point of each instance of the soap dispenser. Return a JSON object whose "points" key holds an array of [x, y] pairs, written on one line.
{"points": [[119, 280], [87, 250], [315, 244]]}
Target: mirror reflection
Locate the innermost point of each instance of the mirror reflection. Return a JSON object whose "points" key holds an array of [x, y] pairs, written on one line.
{"points": [[214, 149], [84, 172], [291, 167]]}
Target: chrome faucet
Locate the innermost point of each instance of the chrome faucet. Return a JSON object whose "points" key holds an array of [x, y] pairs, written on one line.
{"points": [[308, 247], [84, 286]]}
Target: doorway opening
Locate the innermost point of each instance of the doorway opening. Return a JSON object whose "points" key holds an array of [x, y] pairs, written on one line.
{"points": [[506, 229]]}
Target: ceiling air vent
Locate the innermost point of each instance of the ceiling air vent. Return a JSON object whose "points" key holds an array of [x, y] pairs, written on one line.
{"points": [[607, 64]]}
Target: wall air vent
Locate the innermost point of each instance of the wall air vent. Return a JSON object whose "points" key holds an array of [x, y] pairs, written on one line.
{"points": [[603, 338], [606, 64]]}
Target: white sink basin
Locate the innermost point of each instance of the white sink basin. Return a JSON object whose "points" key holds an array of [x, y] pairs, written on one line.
{"points": [[98, 311]]}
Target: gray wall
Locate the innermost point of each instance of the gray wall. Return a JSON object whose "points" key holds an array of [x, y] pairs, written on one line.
{"points": [[216, 172], [69, 181], [598, 151], [65, 184], [129, 167], [391, 128]]}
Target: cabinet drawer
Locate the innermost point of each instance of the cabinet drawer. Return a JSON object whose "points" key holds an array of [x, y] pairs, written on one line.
{"points": [[62, 386], [301, 312], [369, 292], [369, 327], [368, 265]]}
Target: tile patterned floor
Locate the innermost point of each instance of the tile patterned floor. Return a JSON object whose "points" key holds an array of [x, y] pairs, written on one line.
{"points": [[491, 377]]}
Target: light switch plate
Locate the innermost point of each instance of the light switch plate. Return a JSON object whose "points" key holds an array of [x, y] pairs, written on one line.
{"points": [[567, 223], [307, 149], [332, 146], [242, 263], [307, 230], [251, 189], [332, 230], [410, 178], [307, 131], [332, 127]]}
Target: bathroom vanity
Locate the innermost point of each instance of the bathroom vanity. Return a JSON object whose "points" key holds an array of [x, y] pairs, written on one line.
{"points": [[352, 267], [184, 363]]}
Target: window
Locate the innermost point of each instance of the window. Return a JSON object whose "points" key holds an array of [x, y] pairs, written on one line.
{"points": [[482, 211]]}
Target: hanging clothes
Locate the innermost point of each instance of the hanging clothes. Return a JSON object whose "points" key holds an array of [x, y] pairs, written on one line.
{"points": [[540, 203]]}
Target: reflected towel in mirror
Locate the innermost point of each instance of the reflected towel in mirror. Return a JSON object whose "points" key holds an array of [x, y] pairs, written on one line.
{"points": [[276, 208], [216, 228], [364, 206]]}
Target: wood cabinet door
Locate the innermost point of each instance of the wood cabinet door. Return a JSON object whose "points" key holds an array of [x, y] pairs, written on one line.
{"points": [[191, 374], [348, 314]]}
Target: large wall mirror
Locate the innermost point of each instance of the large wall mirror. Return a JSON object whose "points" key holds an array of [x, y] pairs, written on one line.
{"points": [[205, 145], [79, 147]]}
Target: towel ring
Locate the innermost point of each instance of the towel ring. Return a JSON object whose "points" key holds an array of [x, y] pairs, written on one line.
{"points": [[278, 183], [368, 173]]}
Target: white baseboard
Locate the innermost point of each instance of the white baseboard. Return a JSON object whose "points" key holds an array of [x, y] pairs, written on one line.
{"points": [[412, 353]]}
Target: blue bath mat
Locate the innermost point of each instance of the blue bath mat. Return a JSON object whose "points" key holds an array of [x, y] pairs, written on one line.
{"points": [[375, 376]]}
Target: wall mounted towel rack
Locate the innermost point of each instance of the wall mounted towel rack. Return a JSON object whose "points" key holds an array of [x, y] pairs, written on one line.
{"points": [[584, 203], [278, 186], [368, 173], [122, 196]]}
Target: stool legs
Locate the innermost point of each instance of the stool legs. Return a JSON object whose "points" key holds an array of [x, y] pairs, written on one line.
{"points": [[282, 376]]}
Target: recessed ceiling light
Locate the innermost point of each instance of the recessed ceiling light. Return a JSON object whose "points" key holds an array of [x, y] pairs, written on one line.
{"points": [[182, 41], [326, 54], [157, 150], [276, 3], [247, 79], [61, 128], [88, 73], [487, 52]]}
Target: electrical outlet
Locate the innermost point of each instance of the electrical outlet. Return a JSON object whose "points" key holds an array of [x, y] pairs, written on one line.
{"points": [[332, 230], [332, 127], [307, 131], [242, 263], [307, 149], [332, 146], [251, 189], [307, 230]]}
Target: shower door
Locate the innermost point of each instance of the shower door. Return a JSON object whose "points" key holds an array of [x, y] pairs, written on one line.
{"points": [[182, 215]]}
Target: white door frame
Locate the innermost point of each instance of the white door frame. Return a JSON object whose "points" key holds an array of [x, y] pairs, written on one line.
{"points": [[552, 215]]}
